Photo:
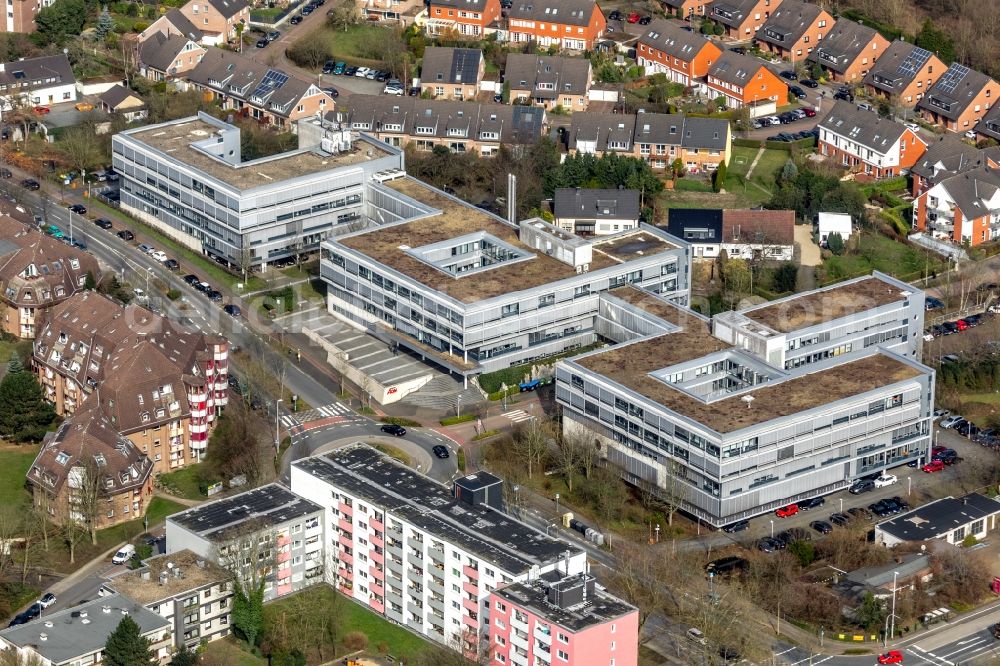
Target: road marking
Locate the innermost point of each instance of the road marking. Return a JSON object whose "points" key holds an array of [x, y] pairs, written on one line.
{"points": [[778, 654], [518, 416]]}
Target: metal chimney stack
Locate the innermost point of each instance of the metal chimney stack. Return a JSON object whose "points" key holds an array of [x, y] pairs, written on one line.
{"points": [[512, 198]]}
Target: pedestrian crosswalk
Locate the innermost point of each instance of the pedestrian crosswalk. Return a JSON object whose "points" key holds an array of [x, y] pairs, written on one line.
{"points": [[518, 416], [324, 412]]}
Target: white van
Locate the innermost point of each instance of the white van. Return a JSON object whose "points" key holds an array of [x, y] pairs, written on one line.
{"points": [[123, 555], [696, 636]]}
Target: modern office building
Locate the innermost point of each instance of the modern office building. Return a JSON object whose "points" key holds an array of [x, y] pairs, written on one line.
{"points": [[474, 293], [191, 592], [751, 410], [268, 531], [414, 552], [562, 619], [187, 178]]}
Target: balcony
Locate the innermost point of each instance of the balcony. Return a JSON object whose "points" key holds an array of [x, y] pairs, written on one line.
{"points": [[345, 574], [346, 558], [345, 510], [376, 573], [377, 541], [345, 526], [345, 541], [283, 556], [376, 605], [376, 525], [376, 557], [470, 622], [377, 589], [470, 605], [471, 572], [519, 641], [471, 588]]}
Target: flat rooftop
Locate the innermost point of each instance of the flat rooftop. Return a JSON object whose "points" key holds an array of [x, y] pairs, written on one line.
{"points": [[939, 517], [399, 491], [630, 364], [175, 140], [457, 219], [83, 629], [599, 608], [256, 509], [815, 307], [658, 307], [185, 571]]}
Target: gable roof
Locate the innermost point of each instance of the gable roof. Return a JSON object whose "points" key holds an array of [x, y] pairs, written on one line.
{"points": [[842, 45], [160, 51], [938, 518], [789, 22], [228, 8], [565, 12], [602, 128], [695, 225], [732, 12], [952, 94], [445, 64], [897, 67], [183, 25], [59, 269], [864, 127], [758, 227], [990, 123], [515, 125], [252, 82], [467, 5], [669, 38], [117, 94], [946, 157], [568, 76], [34, 73], [711, 133], [735, 68], [599, 204], [970, 190]]}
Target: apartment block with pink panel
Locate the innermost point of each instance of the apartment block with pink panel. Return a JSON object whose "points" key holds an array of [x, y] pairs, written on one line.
{"points": [[561, 620]]}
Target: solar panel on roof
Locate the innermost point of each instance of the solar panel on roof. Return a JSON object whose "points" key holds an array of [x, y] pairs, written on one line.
{"points": [[952, 78], [912, 63], [271, 82]]}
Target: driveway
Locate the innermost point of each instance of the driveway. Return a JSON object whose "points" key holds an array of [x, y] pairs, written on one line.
{"points": [[809, 254]]}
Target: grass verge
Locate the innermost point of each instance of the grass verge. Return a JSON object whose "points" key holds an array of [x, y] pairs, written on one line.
{"points": [[14, 464], [461, 460], [184, 482], [402, 421], [484, 435], [392, 452], [454, 420]]}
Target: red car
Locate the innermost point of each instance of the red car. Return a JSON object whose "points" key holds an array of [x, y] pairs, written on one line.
{"points": [[962, 324], [810, 113], [787, 511], [933, 466], [633, 17], [42, 110], [938, 449], [891, 657]]}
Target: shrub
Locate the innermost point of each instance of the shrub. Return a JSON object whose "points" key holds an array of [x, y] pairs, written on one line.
{"points": [[355, 640], [401, 421], [452, 420], [174, 294]]}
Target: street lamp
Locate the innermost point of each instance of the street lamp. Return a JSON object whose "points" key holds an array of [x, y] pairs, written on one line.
{"points": [[458, 405], [772, 529], [657, 533], [842, 505], [892, 615], [277, 414], [557, 504], [517, 499]]}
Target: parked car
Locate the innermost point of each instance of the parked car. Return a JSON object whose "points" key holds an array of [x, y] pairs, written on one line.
{"points": [[31, 184], [124, 554], [329, 67], [767, 545], [441, 451], [103, 222], [172, 265], [821, 526], [738, 526], [295, 20], [952, 421], [351, 70], [79, 209], [146, 249], [933, 466], [615, 16], [332, 92], [843, 95], [862, 486], [840, 519], [645, 20], [885, 480], [393, 88], [859, 513], [47, 600], [339, 68], [799, 93], [774, 120], [811, 503], [43, 110], [932, 303], [6, 173], [214, 296], [787, 511], [961, 325], [307, 10], [261, 43], [126, 235], [232, 310], [809, 83], [361, 72], [789, 75], [393, 429]]}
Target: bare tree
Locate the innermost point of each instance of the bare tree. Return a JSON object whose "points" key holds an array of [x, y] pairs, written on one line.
{"points": [[80, 148], [640, 579], [11, 523], [343, 15], [87, 495], [531, 443]]}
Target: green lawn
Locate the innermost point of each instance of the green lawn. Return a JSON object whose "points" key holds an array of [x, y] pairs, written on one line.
{"points": [[881, 253], [226, 651], [8, 347], [761, 184], [349, 45], [210, 270], [184, 482], [14, 464]]}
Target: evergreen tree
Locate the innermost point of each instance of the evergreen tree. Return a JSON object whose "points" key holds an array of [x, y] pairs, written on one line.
{"points": [[836, 243], [105, 24], [24, 414], [15, 364], [719, 177], [789, 171], [90, 282], [936, 41], [184, 657], [126, 646]]}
